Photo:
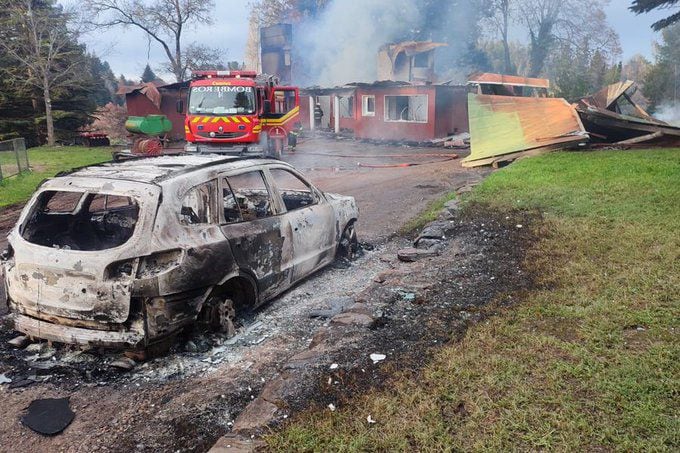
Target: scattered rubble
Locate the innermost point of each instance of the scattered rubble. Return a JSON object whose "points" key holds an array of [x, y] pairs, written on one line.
{"points": [[19, 342], [124, 363], [612, 116], [377, 358], [512, 117]]}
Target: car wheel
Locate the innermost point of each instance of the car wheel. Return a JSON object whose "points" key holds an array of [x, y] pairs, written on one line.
{"points": [[219, 315], [226, 314], [349, 244]]}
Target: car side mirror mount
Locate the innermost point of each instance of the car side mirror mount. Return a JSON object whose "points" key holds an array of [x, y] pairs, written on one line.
{"points": [[180, 106]]}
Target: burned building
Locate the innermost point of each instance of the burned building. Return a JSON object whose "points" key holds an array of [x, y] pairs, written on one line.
{"points": [[411, 61], [405, 105], [388, 110], [276, 44], [612, 116]]}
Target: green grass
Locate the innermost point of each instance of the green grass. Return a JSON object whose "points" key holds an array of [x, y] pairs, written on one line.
{"points": [[592, 363], [45, 163]]}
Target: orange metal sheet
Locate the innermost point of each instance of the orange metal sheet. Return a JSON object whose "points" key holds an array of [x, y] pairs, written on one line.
{"points": [[501, 125]]}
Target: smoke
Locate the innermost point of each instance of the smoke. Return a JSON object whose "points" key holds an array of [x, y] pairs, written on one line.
{"points": [[340, 44], [669, 112]]}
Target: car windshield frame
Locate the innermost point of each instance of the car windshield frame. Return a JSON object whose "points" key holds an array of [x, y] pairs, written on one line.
{"points": [[225, 100]]}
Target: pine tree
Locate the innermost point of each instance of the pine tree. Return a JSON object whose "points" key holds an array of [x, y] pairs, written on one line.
{"points": [[148, 75], [645, 6]]}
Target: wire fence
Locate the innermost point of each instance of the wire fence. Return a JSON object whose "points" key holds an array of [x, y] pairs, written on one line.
{"points": [[13, 158]]}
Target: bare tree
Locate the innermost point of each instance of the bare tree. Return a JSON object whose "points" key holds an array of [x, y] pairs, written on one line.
{"points": [[500, 20], [41, 41], [565, 21], [163, 21]]}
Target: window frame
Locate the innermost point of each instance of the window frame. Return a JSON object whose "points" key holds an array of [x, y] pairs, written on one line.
{"points": [[214, 219], [364, 105], [277, 202], [386, 109], [316, 193]]}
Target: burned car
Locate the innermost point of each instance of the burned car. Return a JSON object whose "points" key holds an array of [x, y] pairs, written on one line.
{"points": [[126, 254]]}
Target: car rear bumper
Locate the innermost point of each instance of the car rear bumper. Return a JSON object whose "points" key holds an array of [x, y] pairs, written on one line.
{"points": [[75, 335]]}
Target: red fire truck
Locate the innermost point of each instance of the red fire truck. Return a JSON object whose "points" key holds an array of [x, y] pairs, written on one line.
{"points": [[239, 111]]}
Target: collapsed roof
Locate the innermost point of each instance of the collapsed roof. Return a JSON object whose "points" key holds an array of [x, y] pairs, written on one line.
{"points": [[612, 116]]}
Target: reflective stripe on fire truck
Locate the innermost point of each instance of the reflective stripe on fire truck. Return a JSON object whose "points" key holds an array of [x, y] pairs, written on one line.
{"points": [[215, 119], [284, 119]]}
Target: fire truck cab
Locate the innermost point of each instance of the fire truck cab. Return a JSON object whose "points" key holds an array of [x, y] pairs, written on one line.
{"points": [[239, 112]]}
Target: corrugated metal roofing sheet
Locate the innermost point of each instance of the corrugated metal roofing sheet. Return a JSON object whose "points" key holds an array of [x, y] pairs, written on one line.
{"points": [[501, 79], [501, 125], [608, 95]]}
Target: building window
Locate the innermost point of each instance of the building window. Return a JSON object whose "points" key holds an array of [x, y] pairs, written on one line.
{"points": [[421, 60], [410, 109], [346, 105], [368, 105]]}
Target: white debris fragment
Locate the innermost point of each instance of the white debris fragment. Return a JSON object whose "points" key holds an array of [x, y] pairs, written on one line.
{"points": [[330, 380], [519, 225], [377, 357], [331, 406], [334, 366], [4, 379], [370, 420]]}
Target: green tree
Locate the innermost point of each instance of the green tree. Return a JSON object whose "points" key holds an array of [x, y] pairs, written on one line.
{"points": [[37, 36], [148, 75], [662, 81], [645, 6]]}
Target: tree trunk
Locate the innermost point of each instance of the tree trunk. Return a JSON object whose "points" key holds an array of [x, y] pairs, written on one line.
{"points": [[507, 63], [48, 112]]}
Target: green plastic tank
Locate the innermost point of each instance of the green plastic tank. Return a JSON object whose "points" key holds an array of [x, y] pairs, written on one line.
{"points": [[148, 125]]}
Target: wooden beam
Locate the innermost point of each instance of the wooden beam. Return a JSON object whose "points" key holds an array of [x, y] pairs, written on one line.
{"points": [[642, 138]]}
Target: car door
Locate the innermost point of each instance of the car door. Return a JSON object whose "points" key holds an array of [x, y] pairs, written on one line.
{"points": [[260, 238], [311, 218]]}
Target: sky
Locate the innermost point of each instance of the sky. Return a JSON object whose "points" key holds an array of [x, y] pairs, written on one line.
{"points": [[126, 49]]}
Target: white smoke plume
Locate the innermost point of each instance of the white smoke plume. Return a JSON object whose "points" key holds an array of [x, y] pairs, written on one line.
{"points": [[669, 112], [341, 43]]}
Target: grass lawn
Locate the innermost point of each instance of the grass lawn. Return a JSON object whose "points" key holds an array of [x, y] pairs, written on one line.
{"points": [[46, 162], [588, 361]]}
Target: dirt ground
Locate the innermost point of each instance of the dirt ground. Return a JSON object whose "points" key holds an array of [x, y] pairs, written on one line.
{"points": [[188, 399]]}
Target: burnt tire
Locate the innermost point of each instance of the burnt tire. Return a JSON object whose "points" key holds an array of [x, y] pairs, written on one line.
{"points": [[219, 315], [348, 247]]}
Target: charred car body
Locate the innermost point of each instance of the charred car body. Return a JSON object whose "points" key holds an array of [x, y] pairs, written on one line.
{"points": [[126, 254]]}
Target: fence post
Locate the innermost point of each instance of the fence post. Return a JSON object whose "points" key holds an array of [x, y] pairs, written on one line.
{"points": [[15, 146]]}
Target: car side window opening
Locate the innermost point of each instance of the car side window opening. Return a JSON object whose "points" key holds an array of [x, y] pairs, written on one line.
{"points": [[251, 196], [295, 192], [232, 211], [197, 205]]}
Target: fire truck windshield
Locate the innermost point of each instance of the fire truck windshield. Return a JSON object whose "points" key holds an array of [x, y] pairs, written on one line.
{"points": [[221, 100]]}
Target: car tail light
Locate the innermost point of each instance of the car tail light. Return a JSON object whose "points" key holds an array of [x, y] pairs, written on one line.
{"points": [[158, 263], [121, 269]]}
